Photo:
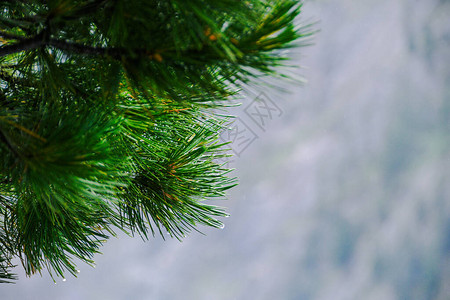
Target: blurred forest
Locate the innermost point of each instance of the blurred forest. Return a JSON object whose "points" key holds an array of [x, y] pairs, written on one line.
{"points": [[344, 185]]}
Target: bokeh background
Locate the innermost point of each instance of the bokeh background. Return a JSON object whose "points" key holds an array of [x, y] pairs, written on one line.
{"points": [[344, 190]]}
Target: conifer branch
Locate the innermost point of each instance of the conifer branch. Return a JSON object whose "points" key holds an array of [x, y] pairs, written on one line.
{"points": [[10, 36], [25, 44], [126, 142], [39, 41]]}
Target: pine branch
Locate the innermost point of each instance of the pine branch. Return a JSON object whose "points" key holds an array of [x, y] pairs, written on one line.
{"points": [[39, 41], [25, 44], [105, 122], [11, 36]]}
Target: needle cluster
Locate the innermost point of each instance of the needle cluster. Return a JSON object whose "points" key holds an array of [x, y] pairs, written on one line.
{"points": [[106, 118]]}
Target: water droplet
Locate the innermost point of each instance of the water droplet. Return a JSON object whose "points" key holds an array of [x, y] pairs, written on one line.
{"points": [[78, 271], [64, 279]]}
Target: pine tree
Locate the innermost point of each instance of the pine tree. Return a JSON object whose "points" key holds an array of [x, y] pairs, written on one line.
{"points": [[106, 118]]}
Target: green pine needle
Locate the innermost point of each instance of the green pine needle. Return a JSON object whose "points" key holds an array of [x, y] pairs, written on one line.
{"points": [[106, 122]]}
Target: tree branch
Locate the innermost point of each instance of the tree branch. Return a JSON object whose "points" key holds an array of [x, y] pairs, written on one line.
{"points": [[11, 23], [10, 36], [26, 44], [40, 41]]}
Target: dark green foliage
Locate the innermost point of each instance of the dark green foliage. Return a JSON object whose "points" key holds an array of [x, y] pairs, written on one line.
{"points": [[105, 118]]}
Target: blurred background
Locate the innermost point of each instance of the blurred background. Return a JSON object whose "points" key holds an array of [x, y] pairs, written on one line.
{"points": [[344, 182]]}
